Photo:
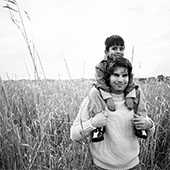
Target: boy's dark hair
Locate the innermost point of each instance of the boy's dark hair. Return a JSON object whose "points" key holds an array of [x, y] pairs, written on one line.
{"points": [[114, 40], [118, 62]]}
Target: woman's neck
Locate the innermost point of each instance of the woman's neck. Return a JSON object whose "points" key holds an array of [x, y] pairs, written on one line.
{"points": [[117, 97], [116, 92]]}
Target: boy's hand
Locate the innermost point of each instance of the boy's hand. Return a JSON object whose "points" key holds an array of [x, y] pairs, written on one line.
{"points": [[141, 122], [129, 102], [99, 119]]}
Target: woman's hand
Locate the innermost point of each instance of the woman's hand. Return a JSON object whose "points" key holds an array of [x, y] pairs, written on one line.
{"points": [[141, 122], [100, 119]]}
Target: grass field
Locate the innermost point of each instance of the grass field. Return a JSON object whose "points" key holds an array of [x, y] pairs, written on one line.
{"points": [[35, 119]]}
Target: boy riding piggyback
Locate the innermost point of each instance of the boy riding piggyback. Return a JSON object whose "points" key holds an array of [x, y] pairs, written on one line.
{"points": [[114, 48]]}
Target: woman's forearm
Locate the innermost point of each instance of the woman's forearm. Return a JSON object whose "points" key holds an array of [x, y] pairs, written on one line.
{"points": [[82, 124], [80, 129]]}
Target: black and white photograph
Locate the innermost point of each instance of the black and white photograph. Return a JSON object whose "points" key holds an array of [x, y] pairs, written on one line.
{"points": [[85, 85]]}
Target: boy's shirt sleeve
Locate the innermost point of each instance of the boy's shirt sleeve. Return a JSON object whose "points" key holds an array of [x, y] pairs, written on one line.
{"points": [[100, 71]]}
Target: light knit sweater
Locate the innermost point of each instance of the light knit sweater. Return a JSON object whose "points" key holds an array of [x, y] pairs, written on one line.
{"points": [[120, 148]]}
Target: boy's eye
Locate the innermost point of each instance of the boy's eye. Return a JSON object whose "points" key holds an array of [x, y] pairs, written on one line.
{"points": [[121, 48], [115, 48]]}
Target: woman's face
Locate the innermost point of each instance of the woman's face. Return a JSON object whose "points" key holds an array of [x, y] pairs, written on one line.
{"points": [[119, 80]]}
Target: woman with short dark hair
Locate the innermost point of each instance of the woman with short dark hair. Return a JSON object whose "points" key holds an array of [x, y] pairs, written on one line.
{"points": [[119, 148]]}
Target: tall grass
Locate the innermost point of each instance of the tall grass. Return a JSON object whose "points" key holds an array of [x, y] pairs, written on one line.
{"points": [[35, 120]]}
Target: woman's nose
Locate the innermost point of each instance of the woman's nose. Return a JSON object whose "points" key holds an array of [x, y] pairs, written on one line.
{"points": [[120, 79]]}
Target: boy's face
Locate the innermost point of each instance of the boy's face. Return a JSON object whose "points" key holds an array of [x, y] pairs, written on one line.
{"points": [[119, 79], [115, 51]]}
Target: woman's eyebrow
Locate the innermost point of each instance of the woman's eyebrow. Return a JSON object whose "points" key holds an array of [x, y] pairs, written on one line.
{"points": [[116, 74]]}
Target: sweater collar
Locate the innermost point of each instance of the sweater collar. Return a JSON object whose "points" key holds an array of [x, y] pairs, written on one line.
{"points": [[107, 95]]}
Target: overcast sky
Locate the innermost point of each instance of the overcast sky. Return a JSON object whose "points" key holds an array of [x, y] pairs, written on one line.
{"points": [[72, 32]]}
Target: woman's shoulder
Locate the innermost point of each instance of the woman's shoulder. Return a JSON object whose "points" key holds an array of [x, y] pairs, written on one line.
{"points": [[94, 92], [96, 103]]}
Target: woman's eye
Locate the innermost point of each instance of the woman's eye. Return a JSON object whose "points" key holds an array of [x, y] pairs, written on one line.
{"points": [[116, 75], [125, 75]]}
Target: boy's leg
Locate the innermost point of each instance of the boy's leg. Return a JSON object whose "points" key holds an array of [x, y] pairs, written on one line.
{"points": [[129, 102], [110, 104]]}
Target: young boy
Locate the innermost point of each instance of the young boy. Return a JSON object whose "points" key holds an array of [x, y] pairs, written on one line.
{"points": [[114, 48]]}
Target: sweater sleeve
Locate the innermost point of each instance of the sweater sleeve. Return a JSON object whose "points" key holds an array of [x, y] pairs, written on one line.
{"points": [[91, 105], [82, 124], [142, 104], [144, 112]]}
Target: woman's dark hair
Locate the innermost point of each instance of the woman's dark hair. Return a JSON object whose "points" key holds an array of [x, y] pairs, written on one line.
{"points": [[114, 40], [118, 62]]}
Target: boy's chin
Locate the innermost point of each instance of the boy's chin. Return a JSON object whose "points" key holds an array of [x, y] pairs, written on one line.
{"points": [[115, 55], [119, 55]]}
